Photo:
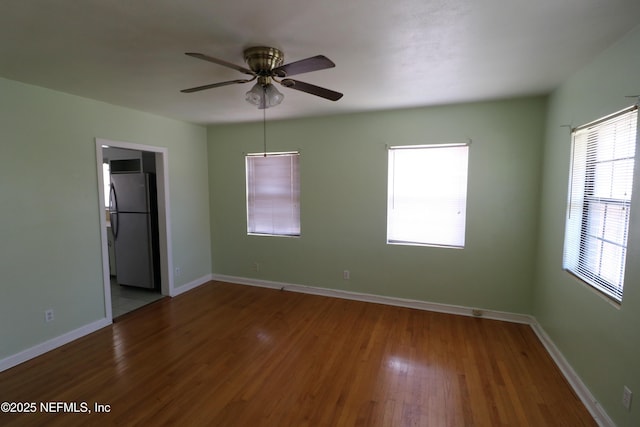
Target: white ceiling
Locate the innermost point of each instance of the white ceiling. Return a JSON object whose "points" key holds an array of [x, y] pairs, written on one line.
{"points": [[388, 54]]}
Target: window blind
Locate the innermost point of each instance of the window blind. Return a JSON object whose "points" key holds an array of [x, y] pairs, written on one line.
{"points": [[600, 187], [273, 194], [427, 195]]}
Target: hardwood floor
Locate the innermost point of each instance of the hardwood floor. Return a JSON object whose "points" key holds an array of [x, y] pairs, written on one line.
{"points": [[233, 355]]}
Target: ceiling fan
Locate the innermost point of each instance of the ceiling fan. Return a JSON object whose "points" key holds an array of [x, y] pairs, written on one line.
{"points": [[265, 65]]}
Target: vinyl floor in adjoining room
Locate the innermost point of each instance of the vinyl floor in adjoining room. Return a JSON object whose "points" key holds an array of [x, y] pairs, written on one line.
{"points": [[232, 355], [125, 299]]}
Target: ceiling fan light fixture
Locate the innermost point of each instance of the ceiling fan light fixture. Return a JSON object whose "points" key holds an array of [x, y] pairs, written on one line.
{"points": [[255, 96], [273, 96], [264, 96]]}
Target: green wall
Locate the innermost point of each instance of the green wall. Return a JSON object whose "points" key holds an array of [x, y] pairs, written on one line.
{"points": [[599, 339], [50, 247], [343, 204]]}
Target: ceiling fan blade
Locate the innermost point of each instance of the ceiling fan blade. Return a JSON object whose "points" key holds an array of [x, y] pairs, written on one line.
{"points": [[312, 89], [211, 86], [315, 63], [221, 62]]}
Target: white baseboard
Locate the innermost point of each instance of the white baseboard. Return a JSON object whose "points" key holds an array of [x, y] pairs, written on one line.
{"points": [[381, 299], [192, 285], [37, 350], [594, 408]]}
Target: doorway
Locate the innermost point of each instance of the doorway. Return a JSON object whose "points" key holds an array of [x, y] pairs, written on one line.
{"points": [[121, 294]]}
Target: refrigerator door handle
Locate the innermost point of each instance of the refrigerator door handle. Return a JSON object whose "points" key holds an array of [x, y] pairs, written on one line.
{"points": [[111, 191], [113, 207]]}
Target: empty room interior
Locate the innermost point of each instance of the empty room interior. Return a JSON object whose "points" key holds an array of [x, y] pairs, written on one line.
{"points": [[355, 213]]}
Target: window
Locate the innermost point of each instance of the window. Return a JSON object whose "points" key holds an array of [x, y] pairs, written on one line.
{"points": [[273, 194], [600, 184], [427, 195]]}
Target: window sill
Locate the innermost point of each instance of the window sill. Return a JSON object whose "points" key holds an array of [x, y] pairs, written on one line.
{"points": [[614, 303]]}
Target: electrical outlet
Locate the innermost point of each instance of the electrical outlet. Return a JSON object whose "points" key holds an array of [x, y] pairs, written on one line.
{"points": [[178, 271], [626, 398], [346, 275], [48, 315], [256, 267]]}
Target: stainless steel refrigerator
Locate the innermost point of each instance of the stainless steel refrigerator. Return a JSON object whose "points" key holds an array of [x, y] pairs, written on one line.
{"points": [[134, 223]]}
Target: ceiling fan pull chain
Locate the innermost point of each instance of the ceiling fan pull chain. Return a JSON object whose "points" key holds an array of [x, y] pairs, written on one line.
{"points": [[264, 120]]}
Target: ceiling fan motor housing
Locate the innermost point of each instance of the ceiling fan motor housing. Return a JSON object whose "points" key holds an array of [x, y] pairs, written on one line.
{"points": [[262, 60]]}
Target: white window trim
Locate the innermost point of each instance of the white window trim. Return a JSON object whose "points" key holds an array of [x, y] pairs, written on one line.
{"points": [[576, 221], [394, 237], [250, 232]]}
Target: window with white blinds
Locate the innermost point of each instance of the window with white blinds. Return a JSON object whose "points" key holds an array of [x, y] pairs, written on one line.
{"points": [[427, 195], [273, 194], [600, 185]]}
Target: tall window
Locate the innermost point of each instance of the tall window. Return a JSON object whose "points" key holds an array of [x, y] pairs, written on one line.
{"points": [[427, 195], [597, 225], [273, 194]]}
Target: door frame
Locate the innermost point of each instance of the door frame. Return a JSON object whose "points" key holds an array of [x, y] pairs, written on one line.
{"points": [[164, 217]]}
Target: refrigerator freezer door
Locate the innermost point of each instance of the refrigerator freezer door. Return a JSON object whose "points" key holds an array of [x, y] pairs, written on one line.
{"points": [[131, 192], [134, 266]]}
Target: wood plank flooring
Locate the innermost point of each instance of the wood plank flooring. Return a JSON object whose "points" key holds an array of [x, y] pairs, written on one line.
{"points": [[233, 355]]}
